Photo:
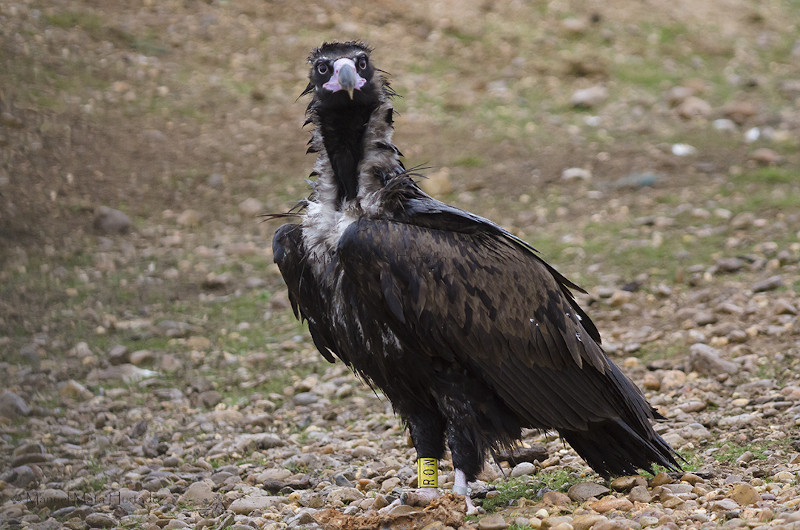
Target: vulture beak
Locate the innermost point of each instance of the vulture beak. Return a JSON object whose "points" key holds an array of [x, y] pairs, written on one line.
{"points": [[345, 77]]}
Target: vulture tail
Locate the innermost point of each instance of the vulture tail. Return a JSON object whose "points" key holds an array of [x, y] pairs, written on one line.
{"points": [[613, 448]]}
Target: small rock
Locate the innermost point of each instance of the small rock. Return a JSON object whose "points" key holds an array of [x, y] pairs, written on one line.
{"points": [[586, 490], [344, 495], [609, 502], [589, 97], [189, 218], [693, 107], [576, 173], [12, 406], [730, 264], [305, 398], [198, 493], [639, 494], [587, 521], [724, 505], [671, 379], [745, 494], [75, 391], [740, 420], [766, 157], [100, 520], [110, 221], [251, 207], [660, 479], [556, 498], [140, 357], [770, 284], [523, 468], [492, 522], [707, 361], [119, 354], [209, 399], [628, 482], [251, 503], [651, 382], [523, 454]]}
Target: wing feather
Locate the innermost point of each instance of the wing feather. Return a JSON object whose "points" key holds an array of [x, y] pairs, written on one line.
{"points": [[486, 301]]}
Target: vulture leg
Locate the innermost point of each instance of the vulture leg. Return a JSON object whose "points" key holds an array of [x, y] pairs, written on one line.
{"points": [[460, 487]]}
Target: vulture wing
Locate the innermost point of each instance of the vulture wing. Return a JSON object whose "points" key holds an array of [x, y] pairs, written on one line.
{"points": [[458, 289]]}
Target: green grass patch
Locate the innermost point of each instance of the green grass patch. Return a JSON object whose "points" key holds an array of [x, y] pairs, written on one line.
{"points": [[530, 487]]}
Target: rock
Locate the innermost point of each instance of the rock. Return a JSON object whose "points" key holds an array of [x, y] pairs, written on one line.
{"points": [[22, 477], [126, 372], [704, 318], [740, 420], [608, 503], [744, 494], [119, 354], [251, 503], [523, 468], [651, 382], [660, 479], [769, 284], [730, 264], [706, 360], [251, 207], [216, 181], [724, 505], [556, 498], [209, 399], [585, 490], [671, 379], [12, 406], [557, 522], [693, 107], [492, 522], [189, 218], [344, 495], [75, 391], [140, 357], [576, 173], [589, 97], [305, 398], [628, 482], [766, 157], [739, 111], [587, 521], [110, 221], [639, 494], [198, 493], [100, 520]]}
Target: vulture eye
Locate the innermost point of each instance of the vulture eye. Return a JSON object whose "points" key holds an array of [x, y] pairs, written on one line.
{"points": [[362, 63], [322, 68]]}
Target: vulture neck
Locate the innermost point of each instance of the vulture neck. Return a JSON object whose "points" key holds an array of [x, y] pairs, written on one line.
{"points": [[356, 153]]}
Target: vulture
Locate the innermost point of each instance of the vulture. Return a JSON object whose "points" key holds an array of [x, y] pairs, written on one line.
{"points": [[464, 328]]}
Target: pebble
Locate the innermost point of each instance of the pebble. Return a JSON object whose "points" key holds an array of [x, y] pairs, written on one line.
{"points": [[492, 522], [12, 406], [639, 494], [523, 468], [609, 503], [556, 498], [585, 490], [111, 221], [100, 520], [589, 97], [744, 494], [693, 107], [708, 361], [251, 503], [768, 284], [75, 391], [198, 493]]}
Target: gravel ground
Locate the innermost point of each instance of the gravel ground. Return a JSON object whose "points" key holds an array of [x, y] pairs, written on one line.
{"points": [[154, 374]]}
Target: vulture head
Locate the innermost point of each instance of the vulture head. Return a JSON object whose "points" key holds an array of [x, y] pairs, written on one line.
{"points": [[342, 75]]}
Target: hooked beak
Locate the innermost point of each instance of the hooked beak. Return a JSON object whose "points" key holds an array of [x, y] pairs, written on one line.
{"points": [[345, 77]]}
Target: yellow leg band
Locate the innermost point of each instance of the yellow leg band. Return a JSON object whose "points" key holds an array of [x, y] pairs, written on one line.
{"points": [[427, 473]]}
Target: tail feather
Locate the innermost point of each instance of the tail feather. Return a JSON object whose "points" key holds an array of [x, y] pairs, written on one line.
{"points": [[613, 448]]}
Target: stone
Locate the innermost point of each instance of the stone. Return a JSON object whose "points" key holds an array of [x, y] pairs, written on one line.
{"points": [[706, 360], [744, 494], [198, 493], [693, 107], [556, 498], [523, 454], [585, 490], [100, 520], [587, 521], [627, 483], [140, 357], [766, 157], [75, 391], [189, 218], [251, 503], [305, 398], [492, 522], [639, 494], [609, 503], [576, 173], [251, 207], [12, 406], [739, 420], [523, 468], [589, 97], [724, 505], [660, 479], [344, 495], [769, 284], [110, 221], [557, 522]]}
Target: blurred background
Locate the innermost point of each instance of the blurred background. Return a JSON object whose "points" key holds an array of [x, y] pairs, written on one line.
{"points": [[650, 150]]}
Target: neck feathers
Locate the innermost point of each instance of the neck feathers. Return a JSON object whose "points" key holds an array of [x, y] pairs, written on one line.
{"points": [[355, 153]]}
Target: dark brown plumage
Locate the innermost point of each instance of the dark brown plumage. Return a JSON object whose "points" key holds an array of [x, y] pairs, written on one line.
{"points": [[465, 329]]}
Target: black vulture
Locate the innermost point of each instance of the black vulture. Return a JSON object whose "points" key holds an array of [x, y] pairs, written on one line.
{"points": [[463, 327]]}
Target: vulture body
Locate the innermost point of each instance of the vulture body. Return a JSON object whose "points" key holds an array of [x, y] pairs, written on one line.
{"points": [[464, 328]]}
